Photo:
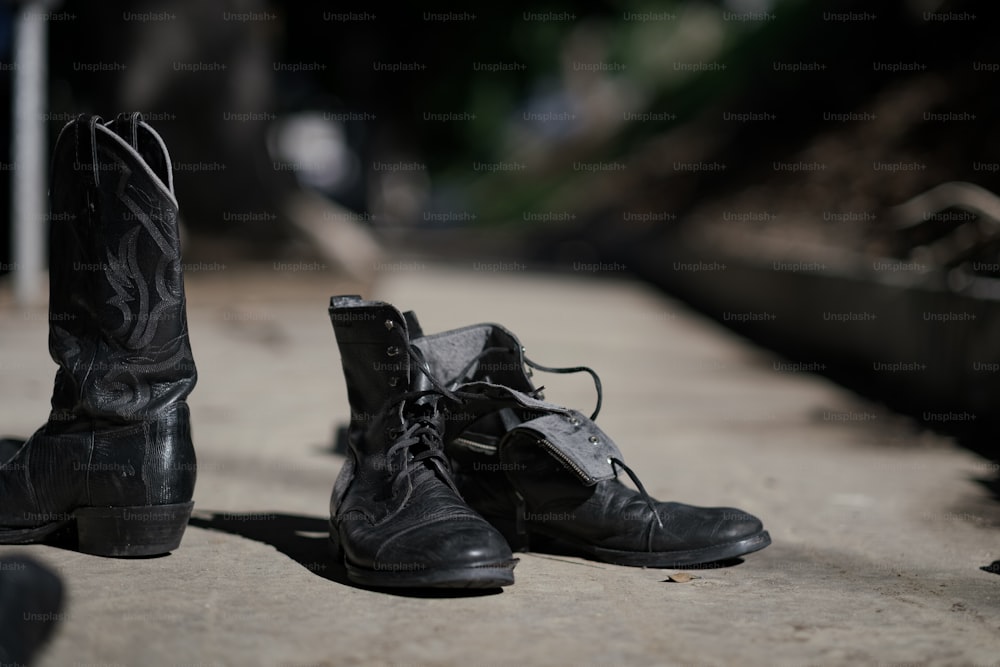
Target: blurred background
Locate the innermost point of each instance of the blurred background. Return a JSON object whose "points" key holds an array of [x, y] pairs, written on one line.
{"points": [[816, 175]]}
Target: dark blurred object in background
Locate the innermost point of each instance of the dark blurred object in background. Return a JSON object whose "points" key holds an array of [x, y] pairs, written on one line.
{"points": [[259, 99], [31, 602]]}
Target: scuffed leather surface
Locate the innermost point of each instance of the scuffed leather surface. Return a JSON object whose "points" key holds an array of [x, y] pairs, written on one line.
{"points": [[608, 514], [134, 464], [426, 524]]}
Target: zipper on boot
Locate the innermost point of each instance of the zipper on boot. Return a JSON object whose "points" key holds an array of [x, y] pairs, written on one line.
{"points": [[562, 458], [475, 446]]}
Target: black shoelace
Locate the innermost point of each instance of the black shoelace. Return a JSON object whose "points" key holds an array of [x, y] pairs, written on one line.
{"points": [[418, 442], [615, 461], [537, 393]]}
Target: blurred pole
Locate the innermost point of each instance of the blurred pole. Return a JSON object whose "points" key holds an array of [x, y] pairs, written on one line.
{"points": [[29, 185]]}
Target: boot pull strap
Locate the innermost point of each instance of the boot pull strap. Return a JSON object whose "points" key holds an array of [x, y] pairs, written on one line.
{"points": [[126, 126], [93, 123], [149, 145], [574, 369]]}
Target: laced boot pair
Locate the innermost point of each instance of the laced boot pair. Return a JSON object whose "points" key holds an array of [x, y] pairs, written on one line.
{"points": [[448, 430]]}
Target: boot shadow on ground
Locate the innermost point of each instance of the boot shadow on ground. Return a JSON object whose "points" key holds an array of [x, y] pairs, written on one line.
{"points": [[305, 539]]}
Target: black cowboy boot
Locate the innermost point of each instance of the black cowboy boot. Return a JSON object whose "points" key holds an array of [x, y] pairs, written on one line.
{"points": [[115, 460], [548, 474], [395, 512]]}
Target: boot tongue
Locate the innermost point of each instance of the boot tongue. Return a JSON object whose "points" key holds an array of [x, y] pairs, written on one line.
{"points": [[412, 325]]}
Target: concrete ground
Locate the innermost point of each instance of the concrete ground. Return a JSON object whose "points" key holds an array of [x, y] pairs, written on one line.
{"points": [[884, 535]]}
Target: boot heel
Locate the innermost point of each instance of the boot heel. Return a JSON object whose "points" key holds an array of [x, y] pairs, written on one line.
{"points": [[148, 530]]}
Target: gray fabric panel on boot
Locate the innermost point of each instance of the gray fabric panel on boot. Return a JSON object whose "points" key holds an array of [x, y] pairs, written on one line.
{"points": [[448, 355], [577, 439]]}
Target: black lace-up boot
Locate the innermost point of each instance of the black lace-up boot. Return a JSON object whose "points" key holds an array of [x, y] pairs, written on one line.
{"points": [[395, 512], [114, 462], [548, 475]]}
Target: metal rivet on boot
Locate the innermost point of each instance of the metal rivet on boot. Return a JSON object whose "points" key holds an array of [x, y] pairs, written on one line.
{"points": [[390, 325]]}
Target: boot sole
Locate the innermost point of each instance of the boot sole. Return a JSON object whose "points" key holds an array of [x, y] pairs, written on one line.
{"points": [[543, 542], [687, 558], [491, 575], [115, 532]]}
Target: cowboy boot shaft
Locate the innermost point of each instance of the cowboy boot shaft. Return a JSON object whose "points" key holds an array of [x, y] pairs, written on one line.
{"points": [[115, 460], [119, 330]]}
